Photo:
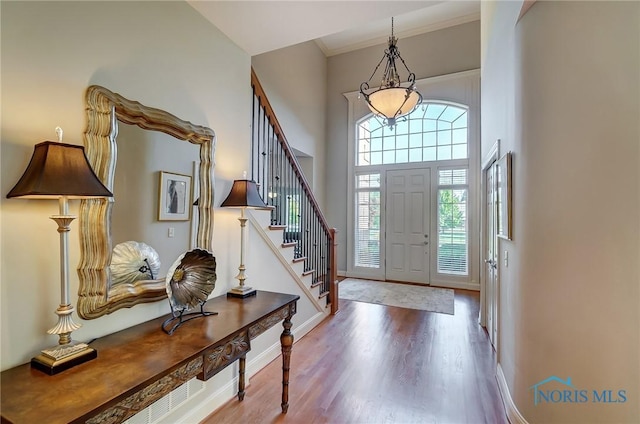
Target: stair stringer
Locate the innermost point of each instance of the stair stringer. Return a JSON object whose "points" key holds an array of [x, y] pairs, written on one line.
{"points": [[289, 265]]}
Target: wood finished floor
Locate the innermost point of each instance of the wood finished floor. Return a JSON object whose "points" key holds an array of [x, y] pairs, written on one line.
{"points": [[381, 364]]}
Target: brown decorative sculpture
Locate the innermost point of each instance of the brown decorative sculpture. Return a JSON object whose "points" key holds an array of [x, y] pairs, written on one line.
{"points": [[190, 281]]}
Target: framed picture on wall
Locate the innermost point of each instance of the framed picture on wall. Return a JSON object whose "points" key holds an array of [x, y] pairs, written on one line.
{"points": [[504, 194], [174, 201]]}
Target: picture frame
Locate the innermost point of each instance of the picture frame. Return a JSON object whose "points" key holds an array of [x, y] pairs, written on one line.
{"points": [[174, 199], [504, 195]]}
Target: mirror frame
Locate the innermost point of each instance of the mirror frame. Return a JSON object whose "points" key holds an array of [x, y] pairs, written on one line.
{"points": [[96, 296]]}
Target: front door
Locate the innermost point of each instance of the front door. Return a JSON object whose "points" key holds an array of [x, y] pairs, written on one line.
{"points": [[407, 225], [491, 253]]}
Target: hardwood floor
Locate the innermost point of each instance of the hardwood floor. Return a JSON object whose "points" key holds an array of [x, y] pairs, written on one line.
{"points": [[381, 364]]}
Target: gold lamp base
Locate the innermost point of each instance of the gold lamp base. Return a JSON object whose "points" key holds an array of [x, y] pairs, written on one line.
{"points": [[62, 357], [241, 292]]}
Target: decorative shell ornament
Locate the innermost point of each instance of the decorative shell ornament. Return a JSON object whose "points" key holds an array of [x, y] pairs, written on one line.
{"points": [[134, 261], [191, 279]]}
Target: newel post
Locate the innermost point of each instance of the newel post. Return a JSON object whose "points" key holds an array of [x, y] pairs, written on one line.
{"points": [[333, 289]]}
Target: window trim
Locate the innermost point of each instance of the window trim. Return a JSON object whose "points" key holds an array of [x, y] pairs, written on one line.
{"points": [[462, 88]]}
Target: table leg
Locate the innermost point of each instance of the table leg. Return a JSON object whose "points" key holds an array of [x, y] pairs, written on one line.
{"points": [[242, 363], [286, 341]]}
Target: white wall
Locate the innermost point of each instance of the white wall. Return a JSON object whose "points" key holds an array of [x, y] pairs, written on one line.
{"points": [[163, 54], [295, 81], [561, 90], [435, 53]]}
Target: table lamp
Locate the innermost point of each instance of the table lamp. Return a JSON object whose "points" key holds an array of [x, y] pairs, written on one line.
{"points": [[61, 171], [244, 194]]}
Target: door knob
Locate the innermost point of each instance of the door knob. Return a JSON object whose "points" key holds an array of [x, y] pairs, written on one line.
{"points": [[490, 262]]}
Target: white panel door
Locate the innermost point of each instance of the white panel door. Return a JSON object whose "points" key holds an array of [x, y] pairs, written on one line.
{"points": [[491, 255], [407, 220]]}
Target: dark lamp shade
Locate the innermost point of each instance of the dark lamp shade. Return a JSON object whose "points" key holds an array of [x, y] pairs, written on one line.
{"points": [[56, 170], [244, 193]]}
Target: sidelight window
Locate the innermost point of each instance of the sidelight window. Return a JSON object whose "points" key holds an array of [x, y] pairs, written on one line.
{"points": [[453, 229], [367, 234]]}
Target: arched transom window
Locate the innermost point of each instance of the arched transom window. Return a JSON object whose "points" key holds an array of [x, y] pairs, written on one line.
{"points": [[436, 131]]}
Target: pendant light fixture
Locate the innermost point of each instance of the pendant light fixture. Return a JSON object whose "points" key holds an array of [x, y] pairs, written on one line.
{"points": [[391, 100]]}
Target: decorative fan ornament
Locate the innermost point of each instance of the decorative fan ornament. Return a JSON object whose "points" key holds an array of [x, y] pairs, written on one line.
{"points": [[191, 279], [134, 261]]}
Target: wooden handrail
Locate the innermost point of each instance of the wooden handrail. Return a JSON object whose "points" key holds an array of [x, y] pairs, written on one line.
{"points": [[328, 274], [271, 116]]}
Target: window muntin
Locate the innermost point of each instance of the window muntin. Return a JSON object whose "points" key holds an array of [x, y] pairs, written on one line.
{"points": [[436, 131], [367, 234], [453, 228]]}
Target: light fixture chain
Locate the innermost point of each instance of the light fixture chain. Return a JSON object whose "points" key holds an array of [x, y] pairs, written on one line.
{"points": [[378, 66], [404, 63]]}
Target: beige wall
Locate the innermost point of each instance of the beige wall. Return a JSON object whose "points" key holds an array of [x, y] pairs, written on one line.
{"points": [[561, 90], [163, 54], [295, 81], [142, 155], [435, 53]]}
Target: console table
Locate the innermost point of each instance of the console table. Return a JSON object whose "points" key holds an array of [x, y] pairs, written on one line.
{"points": [[139, 365]]}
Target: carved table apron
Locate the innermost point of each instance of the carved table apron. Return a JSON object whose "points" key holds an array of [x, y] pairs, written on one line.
{"points": [[141, 364]]}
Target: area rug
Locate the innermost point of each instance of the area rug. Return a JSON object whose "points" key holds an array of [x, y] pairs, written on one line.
{"points": [[432, 299]]}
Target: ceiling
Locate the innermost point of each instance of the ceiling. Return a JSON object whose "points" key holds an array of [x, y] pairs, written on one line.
{"points": [[336, 26]]}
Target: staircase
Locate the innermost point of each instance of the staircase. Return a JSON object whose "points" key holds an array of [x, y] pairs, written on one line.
{"points": [[260, 220], [295, 224]]}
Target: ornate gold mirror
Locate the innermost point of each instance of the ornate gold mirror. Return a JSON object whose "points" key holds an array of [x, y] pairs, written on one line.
{"points": [[97, 294]]}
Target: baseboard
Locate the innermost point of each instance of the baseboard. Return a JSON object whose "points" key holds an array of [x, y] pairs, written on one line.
{"points": [[454, 285], [191, 412], [302, 329], [513, 415], [364, 276]]}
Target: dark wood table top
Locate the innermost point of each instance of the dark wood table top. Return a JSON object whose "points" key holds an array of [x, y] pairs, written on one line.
{"points": [[127, 361]]}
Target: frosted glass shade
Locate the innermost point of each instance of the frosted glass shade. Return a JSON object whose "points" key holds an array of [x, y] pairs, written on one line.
{"points": [[388, 101]]}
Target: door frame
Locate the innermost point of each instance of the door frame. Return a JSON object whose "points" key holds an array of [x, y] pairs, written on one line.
{"points": [[489, 159]]}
